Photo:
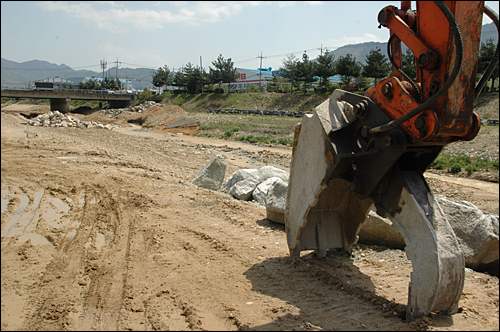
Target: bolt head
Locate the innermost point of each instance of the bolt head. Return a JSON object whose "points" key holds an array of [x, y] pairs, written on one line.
{"points": [[387, 88]]}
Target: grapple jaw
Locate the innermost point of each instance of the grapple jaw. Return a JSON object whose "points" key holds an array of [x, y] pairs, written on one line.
{"points": [[338, 172]]}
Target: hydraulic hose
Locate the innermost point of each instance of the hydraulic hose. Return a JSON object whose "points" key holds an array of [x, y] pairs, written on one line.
{"points": [[455, 29], [389, 55], [491, 67]]}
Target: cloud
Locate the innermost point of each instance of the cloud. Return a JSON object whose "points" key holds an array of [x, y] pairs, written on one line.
{"points": [[282, 4], [116, 17]]}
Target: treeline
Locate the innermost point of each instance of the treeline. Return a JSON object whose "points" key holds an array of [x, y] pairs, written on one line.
{"points": [[98, 84], [302, 73], [297, 73]]}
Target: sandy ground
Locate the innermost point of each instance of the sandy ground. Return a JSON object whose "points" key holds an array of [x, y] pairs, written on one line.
{"points": [[103, 230]]}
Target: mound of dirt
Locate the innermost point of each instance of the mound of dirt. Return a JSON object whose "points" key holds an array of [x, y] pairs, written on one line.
{"points": [[157, 116], [153, 115], [168, 109]]}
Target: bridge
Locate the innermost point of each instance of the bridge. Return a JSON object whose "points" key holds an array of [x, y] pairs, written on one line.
{"points": [[59, 99]]}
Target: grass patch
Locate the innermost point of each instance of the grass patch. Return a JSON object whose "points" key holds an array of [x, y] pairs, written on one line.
{"points": [[457, 164], [250, 128]]}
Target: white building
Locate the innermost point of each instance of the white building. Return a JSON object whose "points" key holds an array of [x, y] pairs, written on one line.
{"points": [[245, 77]]}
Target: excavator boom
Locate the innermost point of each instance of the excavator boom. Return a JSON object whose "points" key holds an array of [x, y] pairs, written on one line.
{"points": [[355, 153]]}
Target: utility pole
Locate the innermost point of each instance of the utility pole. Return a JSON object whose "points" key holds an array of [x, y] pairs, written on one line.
{"points": [[321, 49], [103, 66], [201, 73], [117, 73], [260, 71]]}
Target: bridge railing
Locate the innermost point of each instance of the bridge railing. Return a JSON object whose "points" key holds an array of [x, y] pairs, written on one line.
{"points": [[66, 90]]}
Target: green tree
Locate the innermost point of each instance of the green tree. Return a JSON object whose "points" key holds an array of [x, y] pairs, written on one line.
{"points": [[485, 55], [325, 67], [180, 79], [191, 79], [377, 65], [289, 69], [91, 84], [347, 67], [162, 77], [409, 64], [224, 71], [110, 83], [305, 72]]}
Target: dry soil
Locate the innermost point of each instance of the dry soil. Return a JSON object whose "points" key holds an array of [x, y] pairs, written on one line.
{"points": [[102, 229]]}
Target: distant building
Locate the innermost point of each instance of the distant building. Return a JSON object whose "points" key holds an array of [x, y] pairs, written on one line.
{"points": [[52, 82], [246, 77]]}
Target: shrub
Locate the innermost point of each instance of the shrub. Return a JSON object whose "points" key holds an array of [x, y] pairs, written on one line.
{"points": [[143, 96], [455, 169], [285, 141]]}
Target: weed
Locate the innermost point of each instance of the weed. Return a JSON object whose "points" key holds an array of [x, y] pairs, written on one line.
{"points": [[456, 164]]}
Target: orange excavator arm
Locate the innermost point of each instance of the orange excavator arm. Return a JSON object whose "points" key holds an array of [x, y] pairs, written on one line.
{"points": [[355, 153]]}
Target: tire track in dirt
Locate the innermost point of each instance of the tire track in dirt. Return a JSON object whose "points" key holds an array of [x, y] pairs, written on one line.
{"points": [[184, 303], [104, 266], [57, 290], [78, 270]]}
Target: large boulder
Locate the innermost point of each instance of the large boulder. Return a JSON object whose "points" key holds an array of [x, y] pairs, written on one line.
{"points": [[243, 182], [261, 191], [379, 231], [244, 189], [476, 231], [240, 175], [276, 202], [212, 175], [266, 172]]}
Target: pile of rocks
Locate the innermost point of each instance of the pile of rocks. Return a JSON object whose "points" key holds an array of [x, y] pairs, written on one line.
{"points": [[112, 112], [142, 107], [476, 231], [58, 119], [267, 185]]}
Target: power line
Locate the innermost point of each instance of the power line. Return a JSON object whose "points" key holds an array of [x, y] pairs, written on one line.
{"points": [[131, 64]]}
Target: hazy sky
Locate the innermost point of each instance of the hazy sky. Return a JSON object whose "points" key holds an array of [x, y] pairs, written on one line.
{"points": [[152, 34]]}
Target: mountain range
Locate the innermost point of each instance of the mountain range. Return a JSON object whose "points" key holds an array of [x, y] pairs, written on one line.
{"points": [[18, 75]]}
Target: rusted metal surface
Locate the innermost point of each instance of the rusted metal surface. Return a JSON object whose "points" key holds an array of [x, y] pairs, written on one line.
{"points": [[451, 118]]}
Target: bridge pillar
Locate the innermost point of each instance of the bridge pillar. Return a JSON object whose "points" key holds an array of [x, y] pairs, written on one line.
{"points": [[118, 103], [60, 104]]}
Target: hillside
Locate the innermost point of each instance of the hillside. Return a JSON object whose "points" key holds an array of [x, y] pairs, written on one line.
{"points": [[18, 75], [249, 101]]}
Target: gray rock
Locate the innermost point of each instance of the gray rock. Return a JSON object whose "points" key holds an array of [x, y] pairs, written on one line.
{"points": [[477, 232], [266, 172], [238, 176], [260, 193], [212, 175], [276, 202], [243, 190], [379, 231]]}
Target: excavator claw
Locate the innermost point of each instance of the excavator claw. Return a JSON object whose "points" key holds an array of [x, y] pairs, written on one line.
{"points": [[337, 175], [355, 152], [438, 263]]}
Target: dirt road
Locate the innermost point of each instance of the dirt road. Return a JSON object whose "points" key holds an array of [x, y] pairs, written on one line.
{"points": [[104, 230]]}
